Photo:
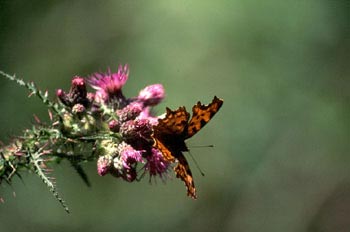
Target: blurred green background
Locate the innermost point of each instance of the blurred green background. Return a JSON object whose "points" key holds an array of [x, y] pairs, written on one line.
{"points": [[281, 157]]}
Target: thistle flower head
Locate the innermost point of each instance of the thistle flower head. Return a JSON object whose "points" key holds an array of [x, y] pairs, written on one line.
{"points": [[109, 85], [78, 108], [156, 164], [146, 114], [152, 94], [137, 132], [104, 164], [114, 125], [129, 156], [101, 97], [130, 112], [125, 163], [77, 93]]}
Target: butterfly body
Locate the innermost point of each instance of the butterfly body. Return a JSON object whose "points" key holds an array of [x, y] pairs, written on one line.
{"points": [[170, 133]]}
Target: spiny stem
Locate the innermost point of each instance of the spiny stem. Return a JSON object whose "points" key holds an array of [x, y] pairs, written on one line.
{"points": [[47, 180], [34, 91]]}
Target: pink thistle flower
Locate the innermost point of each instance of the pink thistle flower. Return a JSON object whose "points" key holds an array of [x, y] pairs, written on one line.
{"points": [[90, 96], [125, 164], [152, 94], [79, 82], [114, 125], [136, 132], [78, 108], [78, 91], [110, 84], [130, 112], [103, 165], [130, 156], [145, 114], [62, 96], [156, 164], [101, 97]]}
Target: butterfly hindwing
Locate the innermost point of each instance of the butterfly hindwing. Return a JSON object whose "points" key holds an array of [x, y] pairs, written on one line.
{"points": [[167, 154], [183, 171]]}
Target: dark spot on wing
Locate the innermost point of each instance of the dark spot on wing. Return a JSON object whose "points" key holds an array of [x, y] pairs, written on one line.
{"points": [[195, 130], [203, 122]]}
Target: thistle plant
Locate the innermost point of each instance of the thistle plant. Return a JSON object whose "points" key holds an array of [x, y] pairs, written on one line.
{"points": [[102, 126]]}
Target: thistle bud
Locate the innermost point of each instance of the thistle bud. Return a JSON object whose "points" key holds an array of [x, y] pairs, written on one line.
{"points": [[152, 94], [104, 163]]}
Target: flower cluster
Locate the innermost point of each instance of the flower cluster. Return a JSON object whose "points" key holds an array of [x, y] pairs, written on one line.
{"points": [[102, 126], [127, 121]]}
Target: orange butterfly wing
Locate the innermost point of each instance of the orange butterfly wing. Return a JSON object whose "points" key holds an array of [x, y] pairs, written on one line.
{"points": [[171, 132], [174, 122], [167, 155], [183, 171], [167, 134], [201, 115]]}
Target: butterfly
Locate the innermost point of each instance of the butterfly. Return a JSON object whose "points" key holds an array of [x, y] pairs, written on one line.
{"points": [[170, 133]]}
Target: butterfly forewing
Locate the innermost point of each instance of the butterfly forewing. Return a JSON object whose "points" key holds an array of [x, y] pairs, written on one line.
{"points": [[201, 115], [174, 122]]}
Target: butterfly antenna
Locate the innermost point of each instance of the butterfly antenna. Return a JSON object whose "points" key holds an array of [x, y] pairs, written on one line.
{"points": [[195, 162], [202, 146]]}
